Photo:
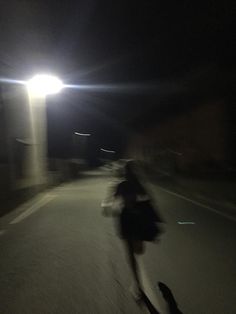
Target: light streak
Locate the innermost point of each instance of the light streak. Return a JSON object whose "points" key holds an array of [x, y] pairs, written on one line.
{"points": [[82, 134], [107, 151]]}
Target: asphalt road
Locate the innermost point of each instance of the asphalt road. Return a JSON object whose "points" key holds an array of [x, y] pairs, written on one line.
{"points": [[196, 257], [59, 254]]}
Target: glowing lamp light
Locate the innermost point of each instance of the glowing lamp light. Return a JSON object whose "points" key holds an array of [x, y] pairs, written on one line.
{"points": [[41, 85]]}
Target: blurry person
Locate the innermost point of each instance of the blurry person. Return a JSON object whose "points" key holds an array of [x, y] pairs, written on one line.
{"points": [[137, 220]]}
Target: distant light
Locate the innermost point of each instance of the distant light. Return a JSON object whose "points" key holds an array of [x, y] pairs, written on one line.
{"points": [[107, 151], [43, 84], [82, 134]]}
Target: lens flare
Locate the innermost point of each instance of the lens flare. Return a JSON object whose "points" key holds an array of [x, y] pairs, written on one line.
{"points": [[42, 85]]}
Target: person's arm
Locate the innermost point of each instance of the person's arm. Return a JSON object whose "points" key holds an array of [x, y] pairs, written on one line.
{"points": [[142, 194], [109, 202]]}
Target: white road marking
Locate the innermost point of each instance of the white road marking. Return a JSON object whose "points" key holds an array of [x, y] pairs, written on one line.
{"points": [[199, 204], [32, 209], [186, 223]]}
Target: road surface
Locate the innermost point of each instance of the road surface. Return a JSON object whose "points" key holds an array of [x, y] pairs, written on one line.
{"points": [[60, 255]]}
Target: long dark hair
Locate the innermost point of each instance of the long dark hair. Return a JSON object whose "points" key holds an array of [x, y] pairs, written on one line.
{"points": [[129, 171], [131, 176]]}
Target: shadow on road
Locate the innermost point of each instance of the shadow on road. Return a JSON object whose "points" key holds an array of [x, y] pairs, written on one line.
{"points": [[169, 298], [148, 304]]}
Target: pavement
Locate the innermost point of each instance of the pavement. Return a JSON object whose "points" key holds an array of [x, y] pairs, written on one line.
{"points": [[217, 192], [59, 254], [220, 192], [196, 256]]}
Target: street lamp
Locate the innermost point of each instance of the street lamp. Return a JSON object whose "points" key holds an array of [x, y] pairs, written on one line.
{"points": [[108, 151], [42, 84], [82, 134], [107, 154], [38, 88], [80, 144]]}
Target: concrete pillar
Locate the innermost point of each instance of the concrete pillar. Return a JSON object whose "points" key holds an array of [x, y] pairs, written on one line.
{"points": [[26, 137], [38, 130]]}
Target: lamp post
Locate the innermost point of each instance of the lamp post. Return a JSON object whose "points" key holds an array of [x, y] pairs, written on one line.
{"points": [[107, 154], [38, 88], [80, 145]]}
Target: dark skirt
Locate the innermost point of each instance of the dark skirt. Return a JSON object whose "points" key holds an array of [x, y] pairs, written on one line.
{"points": [[136, 225], [129, 225]]}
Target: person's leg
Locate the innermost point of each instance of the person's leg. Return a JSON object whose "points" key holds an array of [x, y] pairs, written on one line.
{"points": [[132, 260], [138, 247]]}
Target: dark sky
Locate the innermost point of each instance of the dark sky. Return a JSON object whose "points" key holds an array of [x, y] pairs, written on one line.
{"points": [[154, 52]]}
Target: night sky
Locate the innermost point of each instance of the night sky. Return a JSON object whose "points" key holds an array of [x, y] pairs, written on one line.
{"points": [[158, 55]]}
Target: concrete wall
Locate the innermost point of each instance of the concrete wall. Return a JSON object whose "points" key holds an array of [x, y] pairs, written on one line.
{"points": [[196, 138]]}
